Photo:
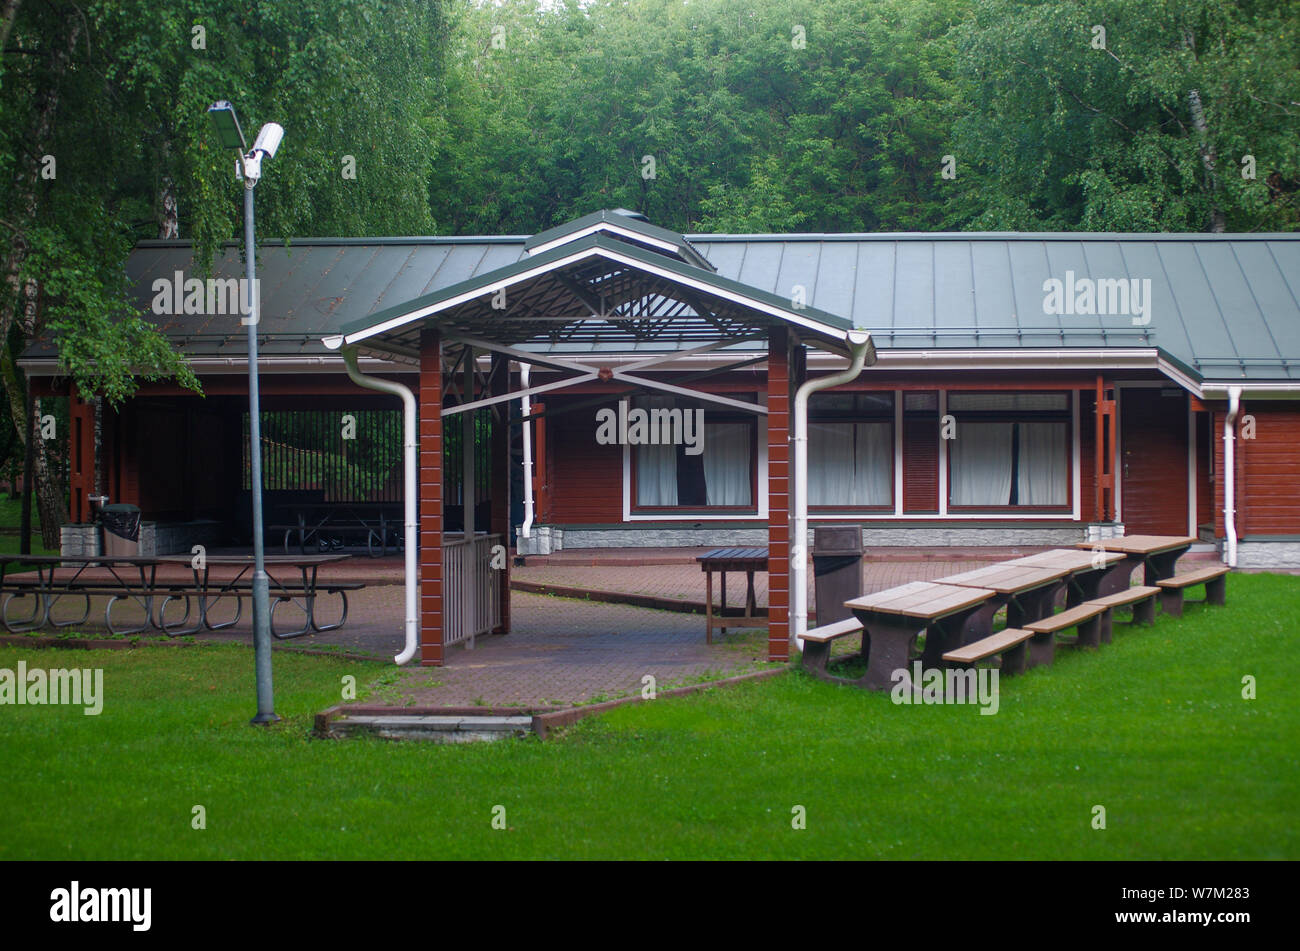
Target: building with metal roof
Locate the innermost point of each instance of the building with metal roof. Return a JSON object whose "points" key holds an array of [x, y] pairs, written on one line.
{"points": [[1010, 389]]}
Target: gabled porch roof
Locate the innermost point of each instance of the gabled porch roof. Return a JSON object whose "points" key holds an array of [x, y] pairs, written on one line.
{"points": [[596, 291]]}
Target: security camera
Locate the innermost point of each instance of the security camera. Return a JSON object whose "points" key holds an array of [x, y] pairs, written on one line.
{"points": [[268, 139]]}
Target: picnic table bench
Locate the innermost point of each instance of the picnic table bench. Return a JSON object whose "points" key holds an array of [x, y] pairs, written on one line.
{"points": [[206, 589], [134, 578], [1171, 589], [323, 525], [1157, 554], [890, 622], [722, 560], [1090, 572]]}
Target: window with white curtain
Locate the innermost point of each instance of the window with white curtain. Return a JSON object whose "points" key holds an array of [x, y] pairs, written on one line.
{"points": [[850, 450], [995, 463], [721, 476]]}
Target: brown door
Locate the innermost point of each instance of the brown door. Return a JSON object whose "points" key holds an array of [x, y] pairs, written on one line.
{"points": [[1153, 463]]}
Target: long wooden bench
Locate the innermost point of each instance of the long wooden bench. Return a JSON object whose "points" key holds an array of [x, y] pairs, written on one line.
{"points": [[1010, 643], [1141, 598], [1086, 617], [1216, 588]]}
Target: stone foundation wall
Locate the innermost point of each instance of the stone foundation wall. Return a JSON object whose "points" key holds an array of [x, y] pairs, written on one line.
{"points": [[167, 538], [547, 539]]}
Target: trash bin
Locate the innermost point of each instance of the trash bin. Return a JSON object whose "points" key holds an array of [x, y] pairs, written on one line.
{"points": [[837, 570], [121, 525]]}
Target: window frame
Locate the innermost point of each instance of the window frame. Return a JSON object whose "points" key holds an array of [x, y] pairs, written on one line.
{"points": [[713, 413], [1064, 417], [858, 414]]}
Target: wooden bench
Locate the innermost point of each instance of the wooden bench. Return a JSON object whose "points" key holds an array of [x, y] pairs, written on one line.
{"points": [[1141, 598], [1010, 643], [829, 632], [1086, 617], [817, 644], [1216, 588]]}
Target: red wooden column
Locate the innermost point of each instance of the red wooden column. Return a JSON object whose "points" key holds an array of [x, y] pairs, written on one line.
{"points": [[81, 450], [431, 603], [500, 385], [778, 495]]}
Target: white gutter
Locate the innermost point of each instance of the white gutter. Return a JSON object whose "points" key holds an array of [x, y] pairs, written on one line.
{"points": [[410, 494], [526, 407], [859, 342], [1230, 474]]}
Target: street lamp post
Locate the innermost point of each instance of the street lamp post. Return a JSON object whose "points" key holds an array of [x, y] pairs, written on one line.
{"points": [[249, 168]]}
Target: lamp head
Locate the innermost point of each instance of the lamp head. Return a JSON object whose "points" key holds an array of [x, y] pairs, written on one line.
{"points": [[226, 123]]}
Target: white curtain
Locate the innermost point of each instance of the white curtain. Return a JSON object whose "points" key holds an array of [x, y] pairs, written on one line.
{"points": [[727, 464], [830, 463], [875, 464], [656, 475], [981, 464], [1040, 478], [849, 464]]}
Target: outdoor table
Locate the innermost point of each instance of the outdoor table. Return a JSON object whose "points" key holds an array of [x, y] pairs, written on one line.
{"points": [[1157, 554], [315, 519], [722, 560], [208, 589], [51, 586], [1028, 592], [892, 620], [1092, 573]]}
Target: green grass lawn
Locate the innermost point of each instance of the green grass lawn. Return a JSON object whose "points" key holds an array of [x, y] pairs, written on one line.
{"points": [[1153, 727]]}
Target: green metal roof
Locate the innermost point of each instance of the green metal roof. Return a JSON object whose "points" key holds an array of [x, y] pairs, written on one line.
{"points": [[1224, 308]]}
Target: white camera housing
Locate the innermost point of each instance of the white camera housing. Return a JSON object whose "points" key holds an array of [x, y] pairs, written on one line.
{"points": [[268, 139]]}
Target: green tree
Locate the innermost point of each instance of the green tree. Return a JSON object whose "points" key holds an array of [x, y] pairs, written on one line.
{"points": [[1130, 115]]}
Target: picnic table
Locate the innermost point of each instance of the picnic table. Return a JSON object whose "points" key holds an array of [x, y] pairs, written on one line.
{"points": [[1091, 573], [1027, 591], [135, 578], [893, 619], [1157, 554], [722, 560], [318, 521], [132, 577], [205, 589]]}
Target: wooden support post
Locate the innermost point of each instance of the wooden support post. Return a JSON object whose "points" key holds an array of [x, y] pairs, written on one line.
{"points": [[431, 615], [778, 495]]}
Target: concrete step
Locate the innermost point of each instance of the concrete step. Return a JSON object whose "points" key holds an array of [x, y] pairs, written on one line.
{"points": [[438, 729]]}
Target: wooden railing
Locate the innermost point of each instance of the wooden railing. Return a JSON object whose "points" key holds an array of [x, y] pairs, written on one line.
{"points": [[460, 559]]}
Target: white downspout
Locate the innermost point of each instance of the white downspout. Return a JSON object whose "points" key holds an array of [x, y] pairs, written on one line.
{"points": [[410, 495], [1230, 475], [526, 407], [863, 354]]}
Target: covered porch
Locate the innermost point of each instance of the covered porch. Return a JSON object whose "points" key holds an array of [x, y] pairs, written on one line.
{"points": [[612, 307]]}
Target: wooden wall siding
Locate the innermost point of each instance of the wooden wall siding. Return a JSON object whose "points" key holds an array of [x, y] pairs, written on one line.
{"points": [[584, 479], [778, 495], [1270, 469], [1204, 486], [920, 465], [430, 396], [1216, 437], [1153, 461], [500, 385]]}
